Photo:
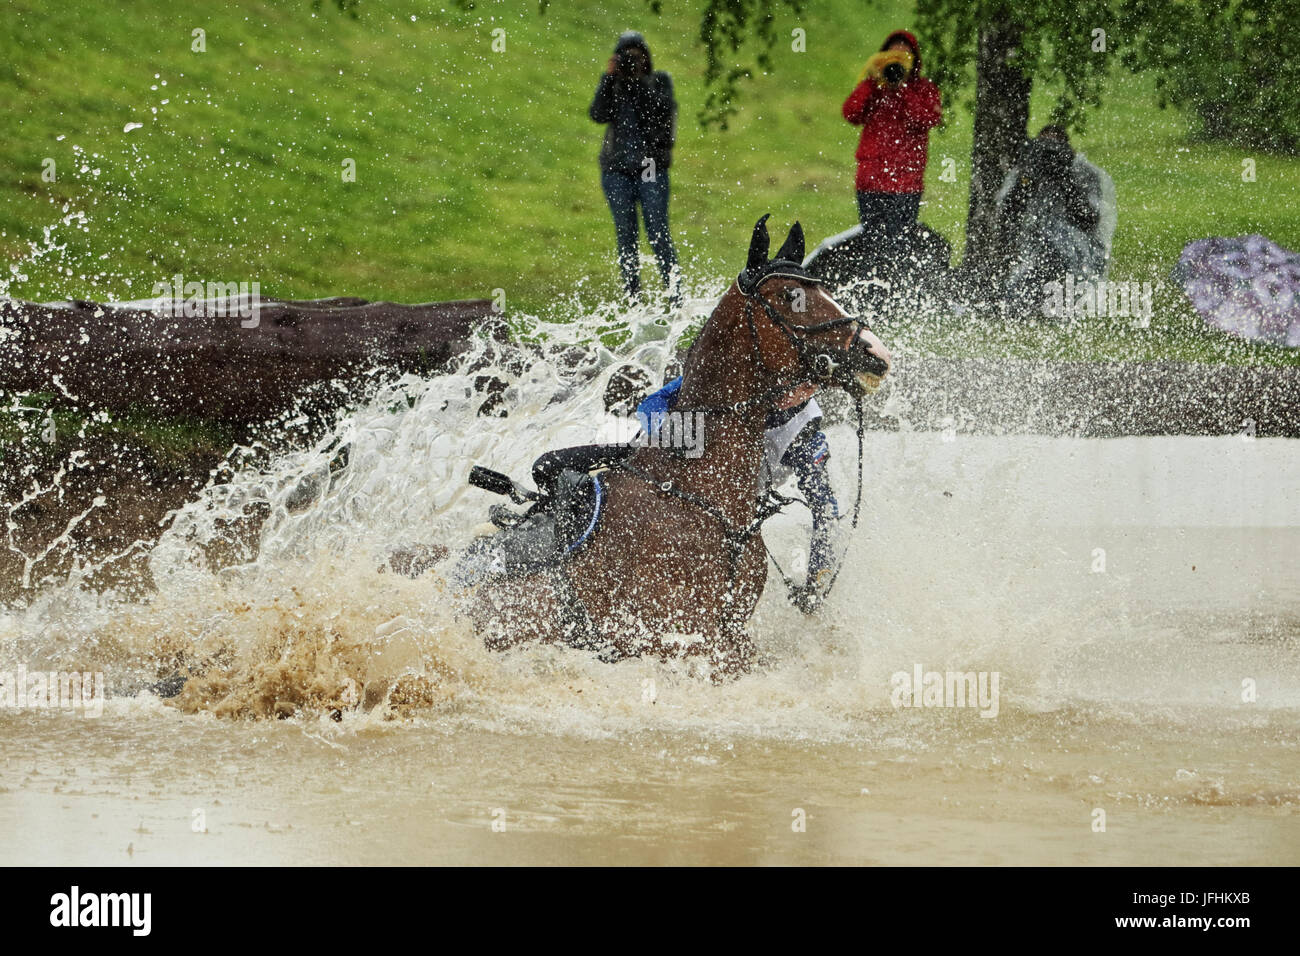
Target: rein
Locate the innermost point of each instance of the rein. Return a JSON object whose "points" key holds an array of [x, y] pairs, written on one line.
{"points": [[737, 538]]}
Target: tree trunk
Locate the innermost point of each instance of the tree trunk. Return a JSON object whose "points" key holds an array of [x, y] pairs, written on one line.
{"points": [[1001, 121]]}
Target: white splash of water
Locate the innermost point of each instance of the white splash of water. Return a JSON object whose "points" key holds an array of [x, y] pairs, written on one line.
{"points": [[975, 555]]}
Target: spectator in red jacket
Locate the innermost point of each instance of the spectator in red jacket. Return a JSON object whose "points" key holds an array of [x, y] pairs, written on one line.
{"points": [[896, 107]]}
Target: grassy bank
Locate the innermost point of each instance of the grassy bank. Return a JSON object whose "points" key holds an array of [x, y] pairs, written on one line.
{"points": [[476, 170], [34, 430]]}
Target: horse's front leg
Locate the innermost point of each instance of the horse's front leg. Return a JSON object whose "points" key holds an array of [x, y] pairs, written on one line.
{"points": [[731, 649], [534, 608], [731, 653]]}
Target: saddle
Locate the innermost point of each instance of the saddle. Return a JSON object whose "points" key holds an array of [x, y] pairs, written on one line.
{"points": [[553, 528]]}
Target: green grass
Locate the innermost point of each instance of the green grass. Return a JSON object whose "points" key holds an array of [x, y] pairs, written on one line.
{"points": [[25, 426], [477, 170]]}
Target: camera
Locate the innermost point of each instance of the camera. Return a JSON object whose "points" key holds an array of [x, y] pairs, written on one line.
{"points": [[1044, 160], [894, 73], [631, 62]]}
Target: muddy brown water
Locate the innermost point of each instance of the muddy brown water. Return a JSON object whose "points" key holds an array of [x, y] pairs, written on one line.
{"points": [[1138, 598]]}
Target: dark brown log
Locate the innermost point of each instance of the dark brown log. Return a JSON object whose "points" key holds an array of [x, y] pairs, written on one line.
{"points": [[210, 366]]}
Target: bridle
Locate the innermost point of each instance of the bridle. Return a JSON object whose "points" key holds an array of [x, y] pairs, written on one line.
{"points": [[821, 364]]}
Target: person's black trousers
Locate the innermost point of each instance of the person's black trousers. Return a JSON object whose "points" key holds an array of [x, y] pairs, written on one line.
{"points": [[888, 214]]}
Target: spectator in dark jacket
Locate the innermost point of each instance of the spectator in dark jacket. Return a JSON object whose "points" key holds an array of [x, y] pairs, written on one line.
{"points": [[1056, 216], [896, 108], [1046, 166], [636, 102]]}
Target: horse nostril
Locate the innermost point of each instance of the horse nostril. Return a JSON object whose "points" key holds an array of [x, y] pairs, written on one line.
{"points": [[870, 343]]}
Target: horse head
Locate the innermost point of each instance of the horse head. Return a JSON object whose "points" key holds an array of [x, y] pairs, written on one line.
{"points": [[800, 332]]}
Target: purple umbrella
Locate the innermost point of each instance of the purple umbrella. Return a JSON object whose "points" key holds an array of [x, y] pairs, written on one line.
{"points": [[1249, 286]]}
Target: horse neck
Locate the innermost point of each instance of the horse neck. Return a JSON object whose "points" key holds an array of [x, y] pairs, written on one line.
{"points": [[724, 369]]}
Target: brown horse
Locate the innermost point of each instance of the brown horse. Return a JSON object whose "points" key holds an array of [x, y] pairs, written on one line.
{"points": [[677, 563]]}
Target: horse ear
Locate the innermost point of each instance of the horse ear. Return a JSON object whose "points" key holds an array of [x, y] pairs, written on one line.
{"points": [[792, 248], [759, 244]]}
